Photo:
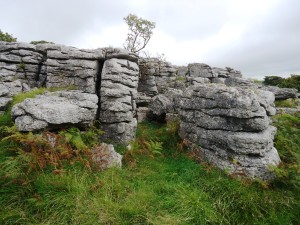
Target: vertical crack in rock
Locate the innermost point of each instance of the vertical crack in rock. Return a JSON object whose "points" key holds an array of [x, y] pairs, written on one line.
{"points": [[41, 81], [98, 86]]}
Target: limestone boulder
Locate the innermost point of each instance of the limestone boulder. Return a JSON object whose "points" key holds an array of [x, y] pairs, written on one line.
{"points": [[104, 156], [54, 110], [200, 70], [118, 91], [161, 105], [281, 93], [231, 127]]}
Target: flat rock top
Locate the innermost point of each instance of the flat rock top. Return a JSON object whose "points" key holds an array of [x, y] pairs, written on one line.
{"points": [[55, 108]]}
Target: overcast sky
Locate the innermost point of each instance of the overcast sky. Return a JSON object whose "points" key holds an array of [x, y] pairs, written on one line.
{"points": [[258, 37]]}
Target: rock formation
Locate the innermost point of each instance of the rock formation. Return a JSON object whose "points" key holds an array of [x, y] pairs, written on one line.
{"points": [[56, 110], [281, 93], [227, 115], [231, 126], [110, 74], [117, 104]]}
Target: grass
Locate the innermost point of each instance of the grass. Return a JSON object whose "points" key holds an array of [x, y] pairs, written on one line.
{"points": [[289, 103], [158, 184]]}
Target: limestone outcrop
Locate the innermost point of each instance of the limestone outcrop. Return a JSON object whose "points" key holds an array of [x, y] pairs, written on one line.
{"points": [[223, 113], [231, 126], [54, 110], [110, 74], [281, 93], [118, 92]]}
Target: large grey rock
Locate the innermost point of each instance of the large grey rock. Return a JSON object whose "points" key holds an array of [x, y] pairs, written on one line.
{"points": [[20, 61], [231, 126], [239, 82], [281, 93], [156, 76], [200, 70], [56, 109], [4, 103], [266, 100], [147, 85], [232, 143], [80, 73], [259, 167], [118, 92], [161, 105], [104, 156], [122, 132], [219, 100]]}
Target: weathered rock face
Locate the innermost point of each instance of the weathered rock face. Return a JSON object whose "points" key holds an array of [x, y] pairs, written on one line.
{"points": [[118, 92], [281, 93], [20, 61], [231, 126], [56, 109], [157, 76], [69, 66], [161, 105], [200, 70], [109, 73], [239, 82]]}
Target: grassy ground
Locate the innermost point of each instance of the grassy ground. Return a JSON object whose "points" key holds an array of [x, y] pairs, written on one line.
{"points": [[159, 184], [289, 103]]}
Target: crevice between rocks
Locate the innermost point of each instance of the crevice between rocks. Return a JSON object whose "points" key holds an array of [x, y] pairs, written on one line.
{"points": [[98, 86], [41, 83]]}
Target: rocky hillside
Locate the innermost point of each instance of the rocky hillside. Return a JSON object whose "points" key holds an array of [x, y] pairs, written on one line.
{"points": [[224, 114]]}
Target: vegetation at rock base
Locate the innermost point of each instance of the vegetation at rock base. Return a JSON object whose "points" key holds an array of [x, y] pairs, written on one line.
{"points": [[160, 182], [289, 103], [291, 82], [7, 37]]}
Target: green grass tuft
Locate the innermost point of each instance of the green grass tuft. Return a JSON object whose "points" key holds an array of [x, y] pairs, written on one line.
{"points": [[288, 103]]}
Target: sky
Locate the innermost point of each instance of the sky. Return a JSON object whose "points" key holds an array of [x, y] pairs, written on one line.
{"points": [[258, 37]]}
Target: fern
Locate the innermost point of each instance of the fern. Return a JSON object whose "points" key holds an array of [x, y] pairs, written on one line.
{"points": [[154, 147]]}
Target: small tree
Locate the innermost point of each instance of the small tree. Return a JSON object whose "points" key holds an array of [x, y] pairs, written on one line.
{"points": [[7, 37], [139, 33]]}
